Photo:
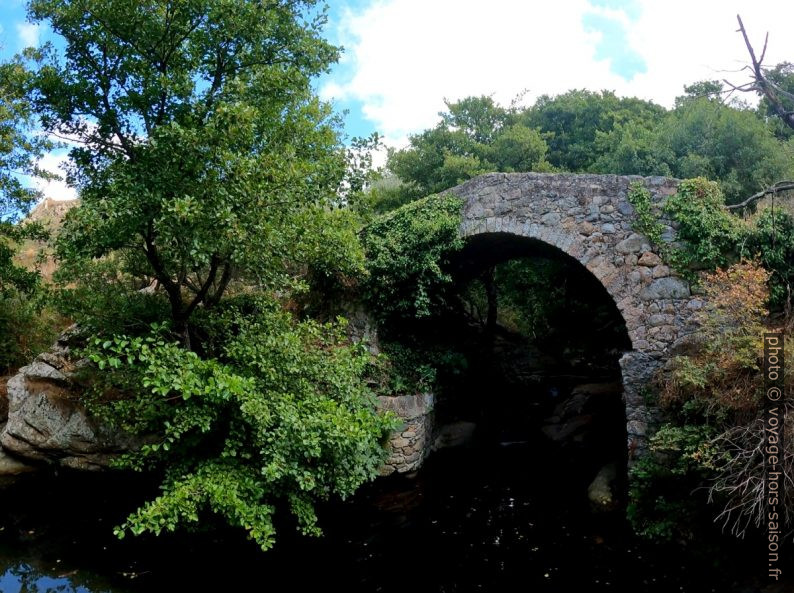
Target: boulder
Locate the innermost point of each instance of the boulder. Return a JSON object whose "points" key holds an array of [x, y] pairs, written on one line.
{"points": [[46, 422], [563, 431], [583, 398], [11, 466], [601, 490], [454, 434]]}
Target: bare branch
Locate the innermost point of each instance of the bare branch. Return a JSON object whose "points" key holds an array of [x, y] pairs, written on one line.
{"points": [[778, 187], [763, 85]]}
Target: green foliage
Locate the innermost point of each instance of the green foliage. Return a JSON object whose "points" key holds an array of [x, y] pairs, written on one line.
{"points": [[27, 326], [704, 137], [408, 251], [646, 217], [19, 145], [280, 415], [583, 131], [631, 148], [211, 160], [211, 180], [772, 241], [474, 136], [713, 236], [661, 506], [24, 328], [781, 75], [575, 120], [400, 370], [531, 293], [712, 393]]}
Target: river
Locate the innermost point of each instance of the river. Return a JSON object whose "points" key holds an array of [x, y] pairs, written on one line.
{"points": [[479, 518]]}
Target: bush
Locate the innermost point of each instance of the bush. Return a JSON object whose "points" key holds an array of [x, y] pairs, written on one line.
{"points": [[27, 327], [276, 413], [713, 236], [715, 391], [408, 251]]}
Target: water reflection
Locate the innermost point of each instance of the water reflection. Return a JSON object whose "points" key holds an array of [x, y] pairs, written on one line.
{"points": [[23, 578], [483, 519]]}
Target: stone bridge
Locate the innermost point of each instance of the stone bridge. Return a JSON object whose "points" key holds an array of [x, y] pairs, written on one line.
{"points": [[585, 218], [589, 219]]}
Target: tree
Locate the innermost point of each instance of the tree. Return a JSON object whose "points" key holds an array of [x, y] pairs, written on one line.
{"points": [[573, 121], [774, 87], [198, 137], [474, 136], [20, 148], [209, 174], [19, 151], [782, 76], [705, 137]]}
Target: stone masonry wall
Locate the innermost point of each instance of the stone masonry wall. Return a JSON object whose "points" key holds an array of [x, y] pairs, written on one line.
{"points": [[409, 445]]}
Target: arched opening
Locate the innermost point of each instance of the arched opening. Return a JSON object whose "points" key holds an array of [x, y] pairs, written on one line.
{"points": [[547, 339], [533, 346]]}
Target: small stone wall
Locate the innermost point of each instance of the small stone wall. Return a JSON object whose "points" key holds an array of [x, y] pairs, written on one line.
{"points": [[409, 445]]}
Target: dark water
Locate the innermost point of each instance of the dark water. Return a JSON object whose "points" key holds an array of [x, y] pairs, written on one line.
{"points": [[486, 518]]}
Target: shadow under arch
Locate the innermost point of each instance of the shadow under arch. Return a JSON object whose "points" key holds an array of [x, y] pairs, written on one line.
{"points": [[479, 256]]}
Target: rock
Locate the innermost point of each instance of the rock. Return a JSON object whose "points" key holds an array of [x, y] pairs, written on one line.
{"points": [[661, 271], [47, 423], [637, 428], [601, 489], [633, 244], [665, 288], [11, 466], [361, 327], [583, 398], [551, 219], [650, 259], [454, 434], [565, 430], [625, 208], [407, 407], [43, 372]]}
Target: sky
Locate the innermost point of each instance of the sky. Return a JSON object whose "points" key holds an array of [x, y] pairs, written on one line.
{"points": [[403, 58]]}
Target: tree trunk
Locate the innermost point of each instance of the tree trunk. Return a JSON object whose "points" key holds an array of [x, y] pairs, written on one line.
{"points": [[493, 304]]}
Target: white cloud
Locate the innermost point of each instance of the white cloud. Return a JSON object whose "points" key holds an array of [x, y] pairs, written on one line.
{"points": [[56, 189], [28, 34], [408, 55]]}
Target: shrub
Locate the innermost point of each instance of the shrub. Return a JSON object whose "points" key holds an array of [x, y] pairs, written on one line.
{"points": [[277, 413], [407, 251]]}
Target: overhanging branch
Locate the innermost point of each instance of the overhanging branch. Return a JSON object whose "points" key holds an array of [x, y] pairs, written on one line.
{"points": [[776, 188]]}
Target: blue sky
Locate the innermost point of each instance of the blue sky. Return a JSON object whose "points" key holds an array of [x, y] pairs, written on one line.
{"points": [[613, 46], [403, 58]]}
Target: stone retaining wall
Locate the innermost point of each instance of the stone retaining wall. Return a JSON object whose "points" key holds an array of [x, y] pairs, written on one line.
{"points": [[409, 445]]}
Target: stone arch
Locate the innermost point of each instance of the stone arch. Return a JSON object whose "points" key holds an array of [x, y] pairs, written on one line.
{"points": [[589, 218]]}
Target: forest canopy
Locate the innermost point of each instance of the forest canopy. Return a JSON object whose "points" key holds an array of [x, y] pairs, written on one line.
{"points": [[742, 148]]}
